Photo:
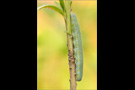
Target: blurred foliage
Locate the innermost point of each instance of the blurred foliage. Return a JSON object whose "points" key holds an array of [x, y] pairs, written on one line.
{"points": [[52, 54]]}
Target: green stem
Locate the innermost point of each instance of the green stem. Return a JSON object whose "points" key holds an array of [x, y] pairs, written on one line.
{"points": [[71, 58]]}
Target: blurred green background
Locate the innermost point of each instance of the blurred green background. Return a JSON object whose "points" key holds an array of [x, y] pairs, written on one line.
{"points": [[52, 54]]}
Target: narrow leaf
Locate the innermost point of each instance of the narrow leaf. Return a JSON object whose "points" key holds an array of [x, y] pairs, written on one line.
{"points": [[57, 4], [51, 7], [70, 3], [62, 4]]}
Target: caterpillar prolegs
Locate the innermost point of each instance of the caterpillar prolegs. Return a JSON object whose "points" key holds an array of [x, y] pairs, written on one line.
{"points": [[78, 51]]}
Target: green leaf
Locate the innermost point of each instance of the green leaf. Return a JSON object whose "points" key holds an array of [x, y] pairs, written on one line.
{"points": [[70, 3], [57, 3], [51, 7], [62, 4]]}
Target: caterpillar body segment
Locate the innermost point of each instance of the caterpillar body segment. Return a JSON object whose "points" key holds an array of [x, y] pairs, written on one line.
{"points": [[78, 51]]}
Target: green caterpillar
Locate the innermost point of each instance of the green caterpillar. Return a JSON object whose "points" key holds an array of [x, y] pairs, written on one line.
{"points": [[77, 42]]}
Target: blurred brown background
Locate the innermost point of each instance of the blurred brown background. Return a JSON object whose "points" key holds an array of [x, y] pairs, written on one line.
{"points": [[52, 54]]}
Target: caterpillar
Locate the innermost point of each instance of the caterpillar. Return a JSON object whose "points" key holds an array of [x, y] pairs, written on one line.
{"points": [[78, 50]]}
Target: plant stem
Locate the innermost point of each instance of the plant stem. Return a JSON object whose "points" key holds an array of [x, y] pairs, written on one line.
{"points": [[71, 58]]}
